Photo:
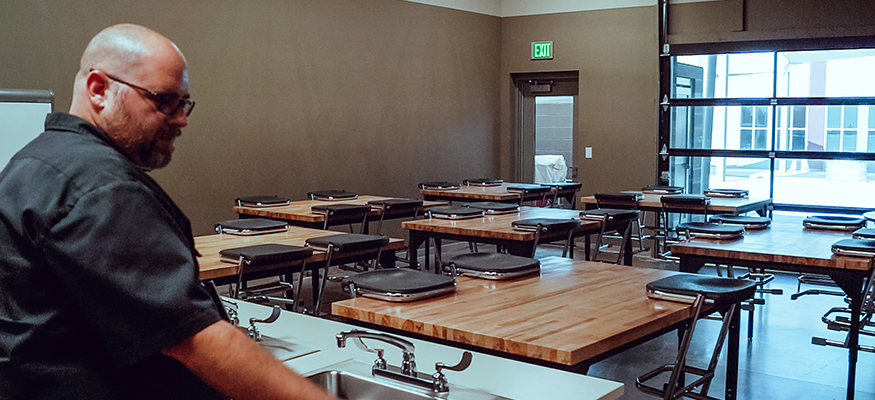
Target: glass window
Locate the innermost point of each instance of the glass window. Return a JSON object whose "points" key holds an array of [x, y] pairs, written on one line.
{"points": [[696, 174], [721, 127], [826, 73], [843, 183], [742, 75]]}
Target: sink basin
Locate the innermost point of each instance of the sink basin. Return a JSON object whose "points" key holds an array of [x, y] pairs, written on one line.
{"points": [[352, 380], [344, 385]]}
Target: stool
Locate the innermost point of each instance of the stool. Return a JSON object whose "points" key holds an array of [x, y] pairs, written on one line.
{"points": [[525, 190], [338, 213], [249, 257], [330, 195], [680, 204], [482, 182], [864, 233], [261, 201], [453, 212], [607, 216], [492, 208], [624, 201], [727, 193], [495, 266], [748, 222], [825, 222], [548, 226], [398, 284], [439, 185], [696, 290], [342, 245], [251, 226], [395, 208], [555, 187], [659, 189]]}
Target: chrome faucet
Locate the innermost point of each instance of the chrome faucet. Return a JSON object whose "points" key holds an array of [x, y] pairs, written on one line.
{"points": [[408, 365], [436, 382]]}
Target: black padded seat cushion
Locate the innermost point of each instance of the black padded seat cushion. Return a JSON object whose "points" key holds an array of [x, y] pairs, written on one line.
{"points": [[261, 201], [268, 253], [396, 203], [624, 197], [746, 221], [454, 212], [444, 185], [685, 199], [251, 225], [493, 262], [350, 242], [732, 193], [720, 290], [492, 207], [711, 228], [616, 214], [482, 182], [548, 224], [341, 209], [856, 245], [657, 189], [401, 280], [529, 188], [563, 185], [332, 195], [864, 233], [834, 222]]}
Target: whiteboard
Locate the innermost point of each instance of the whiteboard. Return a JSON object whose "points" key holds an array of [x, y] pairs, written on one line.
{"points": [[22, 118]]}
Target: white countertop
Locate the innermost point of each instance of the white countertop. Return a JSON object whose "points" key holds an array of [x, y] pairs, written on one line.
{"points": [[500, 376]]}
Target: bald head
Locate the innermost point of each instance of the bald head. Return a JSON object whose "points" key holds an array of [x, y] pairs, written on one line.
{"points": [[126, 75]]}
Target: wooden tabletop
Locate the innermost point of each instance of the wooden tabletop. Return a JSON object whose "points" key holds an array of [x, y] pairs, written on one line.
{"points": [[212, 267], [496, 226], [785, 242], [719, 205], [573, 312], [300, 211]]}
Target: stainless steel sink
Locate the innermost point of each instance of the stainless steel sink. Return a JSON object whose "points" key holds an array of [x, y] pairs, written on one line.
{"points": [[344, 385], [353, 380]]}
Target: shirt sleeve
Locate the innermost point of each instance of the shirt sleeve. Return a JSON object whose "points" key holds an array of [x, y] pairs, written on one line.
{"points": [[125, 263]]}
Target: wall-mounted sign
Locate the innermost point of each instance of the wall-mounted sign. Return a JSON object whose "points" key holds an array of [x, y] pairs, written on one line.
{"points": [[542, 50]]}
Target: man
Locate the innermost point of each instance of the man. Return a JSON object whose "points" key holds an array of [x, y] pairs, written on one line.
{"points": [[98, 272]]}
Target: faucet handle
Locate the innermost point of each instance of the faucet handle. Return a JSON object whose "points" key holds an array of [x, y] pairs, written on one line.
{"points": [[461, 366], [253, 330]]}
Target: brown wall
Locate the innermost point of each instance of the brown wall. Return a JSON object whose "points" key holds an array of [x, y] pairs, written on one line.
{"points": [[615, 53], [293, 95]]}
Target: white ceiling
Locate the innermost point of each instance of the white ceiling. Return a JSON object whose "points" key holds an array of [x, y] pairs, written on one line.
{"points": [[514, 8]]}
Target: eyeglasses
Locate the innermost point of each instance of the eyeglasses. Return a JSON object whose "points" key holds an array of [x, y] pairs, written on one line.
{"points": [[167, 103]]}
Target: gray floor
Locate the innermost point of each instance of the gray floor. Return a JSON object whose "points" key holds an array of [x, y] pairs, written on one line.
{"points": [[778, 363]]}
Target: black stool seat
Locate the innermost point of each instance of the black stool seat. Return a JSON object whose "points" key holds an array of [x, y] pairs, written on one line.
{"points": [[341, 210], [854, 247], [454, 212], [482, 182], [332, 195], [529, 188], [685, 199], [388, 205], [657, 189], [546, 224], [268, 253], [864, 233], [491, 207], [563, 185], [748, 222], [442, 185], [609, 213], [841, 223], [251, 226], [685, 288], [399, 284], [346, 242], [710, 230], [261, 201], [730, 193], [493, 265], [619, 198]]}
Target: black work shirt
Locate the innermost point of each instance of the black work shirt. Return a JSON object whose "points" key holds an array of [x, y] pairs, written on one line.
{"points": [[98, 274]]}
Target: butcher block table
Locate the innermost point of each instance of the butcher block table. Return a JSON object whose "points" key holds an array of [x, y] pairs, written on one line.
{"points": [[221, 272], [299, 213], [498, 229], [719, 205], [572, 315], [787, 246]]}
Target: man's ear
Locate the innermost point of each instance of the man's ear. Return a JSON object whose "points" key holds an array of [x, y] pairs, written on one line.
{"points": [[97, 85]]}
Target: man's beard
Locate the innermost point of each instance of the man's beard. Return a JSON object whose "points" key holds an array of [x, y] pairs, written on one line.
{"points": [[138, 142]]}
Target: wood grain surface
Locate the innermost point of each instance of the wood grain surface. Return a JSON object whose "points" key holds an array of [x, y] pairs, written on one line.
{"points": [[301, 210], [495, 226], [209, 246], [570, 313]]}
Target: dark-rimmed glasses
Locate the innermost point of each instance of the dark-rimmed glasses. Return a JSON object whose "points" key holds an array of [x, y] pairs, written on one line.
{"points": [[167, 103]]}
